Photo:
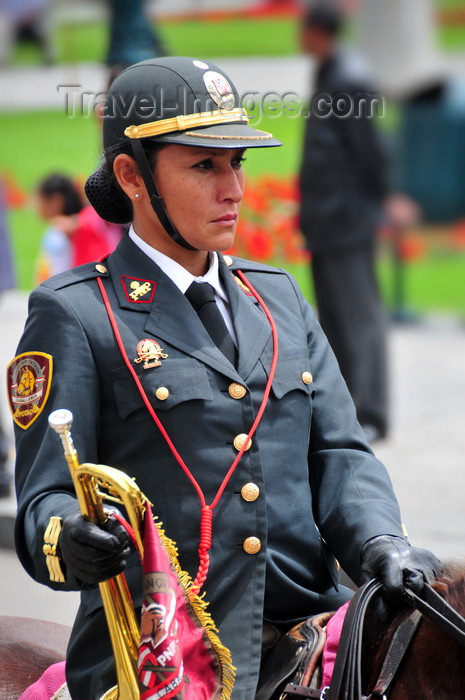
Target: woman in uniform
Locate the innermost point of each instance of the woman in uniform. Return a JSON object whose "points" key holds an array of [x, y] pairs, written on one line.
{"points": [[240, 428]]}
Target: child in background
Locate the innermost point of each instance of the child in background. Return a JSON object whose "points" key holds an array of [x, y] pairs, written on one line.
{"points": [[58, 201], [77, 234]]}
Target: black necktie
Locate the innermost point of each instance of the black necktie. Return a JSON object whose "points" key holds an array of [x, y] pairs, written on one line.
{"points": [[202, 297]]}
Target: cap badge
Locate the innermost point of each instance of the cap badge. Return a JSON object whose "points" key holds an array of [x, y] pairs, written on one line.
{"points": [[29, 378], [150, 353], [219, 89], [137, 290]]}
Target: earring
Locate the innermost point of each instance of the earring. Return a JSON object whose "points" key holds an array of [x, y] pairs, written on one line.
{"points": [[137, 195]]}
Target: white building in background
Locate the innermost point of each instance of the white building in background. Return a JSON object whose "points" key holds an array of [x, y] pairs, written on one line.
{"points": [[398, 37]]}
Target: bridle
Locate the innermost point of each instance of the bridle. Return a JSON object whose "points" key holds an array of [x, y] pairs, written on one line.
{"points": [[434, 608], [346, 682]]}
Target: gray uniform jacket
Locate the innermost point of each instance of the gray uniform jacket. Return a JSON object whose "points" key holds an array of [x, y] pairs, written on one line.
{"points": [[322, 492]]}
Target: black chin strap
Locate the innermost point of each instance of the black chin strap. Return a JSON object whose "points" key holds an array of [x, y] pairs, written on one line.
{"points": [[156, 201]]}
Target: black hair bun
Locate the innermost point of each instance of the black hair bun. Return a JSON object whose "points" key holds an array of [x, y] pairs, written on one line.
{"points": [[107, 198]]}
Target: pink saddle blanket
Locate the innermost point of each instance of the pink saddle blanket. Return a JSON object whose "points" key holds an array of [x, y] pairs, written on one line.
{"points": [[333, 635], [47, 685]]}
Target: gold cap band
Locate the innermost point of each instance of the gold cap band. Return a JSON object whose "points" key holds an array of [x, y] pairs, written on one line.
{"points": [[262, 137], [186, 121]]}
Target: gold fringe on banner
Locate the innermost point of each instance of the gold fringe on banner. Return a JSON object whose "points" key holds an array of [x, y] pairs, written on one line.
{"points": [[199, 607]]}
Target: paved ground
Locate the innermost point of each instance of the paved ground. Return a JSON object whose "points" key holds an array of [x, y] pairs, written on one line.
{"points": [[424, 453], [39, 87]]}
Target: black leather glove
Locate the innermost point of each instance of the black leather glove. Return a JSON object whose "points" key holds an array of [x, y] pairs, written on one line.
{"points": [[398, 564], [91, 553]]}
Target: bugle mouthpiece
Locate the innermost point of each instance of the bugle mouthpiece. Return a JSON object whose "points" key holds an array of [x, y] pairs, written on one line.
{"points": [[61, 420]]}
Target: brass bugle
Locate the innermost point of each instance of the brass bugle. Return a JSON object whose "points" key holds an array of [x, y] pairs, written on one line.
{"points": [[119, 489]]}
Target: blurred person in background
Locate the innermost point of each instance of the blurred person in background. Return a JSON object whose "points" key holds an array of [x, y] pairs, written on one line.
{"points": [[25, 21], [76, 234], [133, 36], [343, 186], [57, 199], [7, 281]]}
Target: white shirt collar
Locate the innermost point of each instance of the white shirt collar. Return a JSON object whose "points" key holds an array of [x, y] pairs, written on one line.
{"points": [[181, 277]]}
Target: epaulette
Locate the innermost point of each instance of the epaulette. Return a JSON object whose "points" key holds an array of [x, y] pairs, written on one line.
{"points": [[82, 273], [234, 263]]}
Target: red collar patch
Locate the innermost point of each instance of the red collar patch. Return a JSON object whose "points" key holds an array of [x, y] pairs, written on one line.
{"points": [[29, 378], [138, 291]]}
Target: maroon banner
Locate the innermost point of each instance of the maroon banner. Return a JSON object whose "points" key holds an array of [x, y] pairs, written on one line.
{"points": [[180, 655]]}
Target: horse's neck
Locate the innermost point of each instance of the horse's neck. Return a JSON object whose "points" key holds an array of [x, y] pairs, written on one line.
{"points": [[434, 665]]}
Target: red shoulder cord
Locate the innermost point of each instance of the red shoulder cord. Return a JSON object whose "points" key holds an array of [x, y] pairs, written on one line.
{"points": [[205, 509]]}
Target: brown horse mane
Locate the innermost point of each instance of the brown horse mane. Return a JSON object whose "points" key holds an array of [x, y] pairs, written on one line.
{"points": [[434, 665]]}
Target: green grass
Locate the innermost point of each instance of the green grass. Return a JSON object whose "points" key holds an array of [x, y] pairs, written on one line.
{"points": [[38, 144], [451, 38], [192, 37], [434, 285], [234, 37]]}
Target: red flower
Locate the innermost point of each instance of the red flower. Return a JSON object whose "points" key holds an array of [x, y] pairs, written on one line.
{"points": [[268, 226]]}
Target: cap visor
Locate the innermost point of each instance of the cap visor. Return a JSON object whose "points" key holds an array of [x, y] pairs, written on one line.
{"points": [[221, 136]]}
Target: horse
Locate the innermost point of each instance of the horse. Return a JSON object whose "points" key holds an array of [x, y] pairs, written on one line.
{"points": [[434, 664], [432, 667], [27, 648]]}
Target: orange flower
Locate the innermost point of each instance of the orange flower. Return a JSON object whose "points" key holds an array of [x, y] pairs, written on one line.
{"points": [[412, 247], [15, 197], [268, 227]]}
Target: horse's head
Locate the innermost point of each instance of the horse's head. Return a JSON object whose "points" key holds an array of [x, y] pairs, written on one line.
{"points": [[434, 663]]}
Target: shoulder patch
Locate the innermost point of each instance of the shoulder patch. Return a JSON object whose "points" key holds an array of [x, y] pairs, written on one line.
{"points": [[29, 378]]}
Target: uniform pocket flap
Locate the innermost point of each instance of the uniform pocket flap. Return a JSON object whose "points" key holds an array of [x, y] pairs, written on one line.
{"points": [[292, 372], [166, 386]]}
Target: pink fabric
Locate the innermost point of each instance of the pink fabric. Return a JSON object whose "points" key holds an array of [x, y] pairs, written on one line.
{"points": [[50, 681], [333, 635]]}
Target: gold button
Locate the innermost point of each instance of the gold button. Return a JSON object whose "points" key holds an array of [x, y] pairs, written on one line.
{"points": [[239, 440], [228, 260], [307, 378], [237, 391], [101, 268], [252, 545], [162, 393], [250, 492]]}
